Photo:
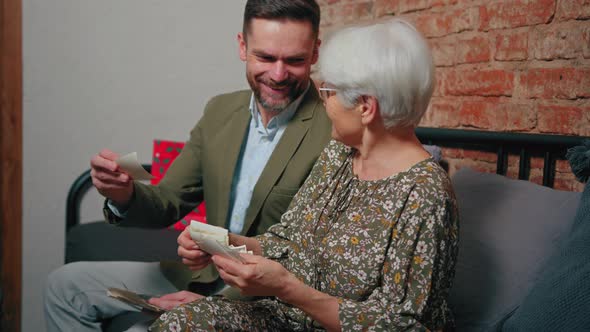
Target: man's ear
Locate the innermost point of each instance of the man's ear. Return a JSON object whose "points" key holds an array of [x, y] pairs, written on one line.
{"points": [[242, 46], [369, 109], [316, 52]]}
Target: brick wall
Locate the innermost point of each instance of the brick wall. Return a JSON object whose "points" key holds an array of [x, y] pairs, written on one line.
{"points": [[512, 65]]}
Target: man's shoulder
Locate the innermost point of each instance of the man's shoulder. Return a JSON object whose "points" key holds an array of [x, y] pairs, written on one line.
{"points": [[231, 100]]}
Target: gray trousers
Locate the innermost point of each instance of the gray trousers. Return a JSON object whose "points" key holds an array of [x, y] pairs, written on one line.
{"points": [[76, 293]]}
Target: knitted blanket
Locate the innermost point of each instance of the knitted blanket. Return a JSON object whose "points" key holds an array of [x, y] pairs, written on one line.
{"points": [[560, 299]]}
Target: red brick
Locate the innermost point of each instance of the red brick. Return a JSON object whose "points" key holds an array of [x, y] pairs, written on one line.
{"points": [[515, 13], [512, 45], [472, 49], [437, 24], [560, 165], [486, 82], [567, 120], [453, 153], [572, 9], [558, 41], [563, 166], [440, 75], [414, 5], [443, 50], [489, 157], [386, 7], [479, 166], [442, 112], [567, 182], [457, 49], [586, 43], [346, 12], [561, 83], [495, 114]]}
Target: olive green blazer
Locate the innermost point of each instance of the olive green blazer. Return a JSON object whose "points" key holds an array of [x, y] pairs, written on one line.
{"points": [[205, 167]]}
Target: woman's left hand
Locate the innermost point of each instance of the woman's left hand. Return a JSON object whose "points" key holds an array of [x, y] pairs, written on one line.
{"points": [[257, 277]]}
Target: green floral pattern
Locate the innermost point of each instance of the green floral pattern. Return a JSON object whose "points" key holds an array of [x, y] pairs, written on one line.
{"points": [[386, 249]]}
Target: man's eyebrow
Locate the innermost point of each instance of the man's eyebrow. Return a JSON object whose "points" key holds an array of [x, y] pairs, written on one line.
{"points": [[265, 54]]}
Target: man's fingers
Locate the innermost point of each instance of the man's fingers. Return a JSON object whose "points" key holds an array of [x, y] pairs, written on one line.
{"points": [[108, 154], [100, 162], [116, 179], [195, 266], [185, 240], [192, 254]]}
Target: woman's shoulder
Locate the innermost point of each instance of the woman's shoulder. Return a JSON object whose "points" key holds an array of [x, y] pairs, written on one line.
{"points": [[430, 179], [335, 153]]}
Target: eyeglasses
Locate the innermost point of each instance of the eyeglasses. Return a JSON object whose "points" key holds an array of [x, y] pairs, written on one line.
{"points": [[326, 92]]}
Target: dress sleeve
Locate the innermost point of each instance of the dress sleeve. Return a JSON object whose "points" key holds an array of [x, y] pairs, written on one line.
{"points": [[415, 274], [277, 239]]}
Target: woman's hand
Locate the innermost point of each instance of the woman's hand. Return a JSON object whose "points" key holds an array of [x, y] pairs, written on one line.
{"points": [[192, 255], [173, 300], [257, 277]]}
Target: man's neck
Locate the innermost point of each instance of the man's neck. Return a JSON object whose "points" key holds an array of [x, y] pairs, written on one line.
{"points": [[266, 116]]}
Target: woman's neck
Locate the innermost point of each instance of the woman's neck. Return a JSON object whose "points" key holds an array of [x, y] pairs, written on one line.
{"points": [[383, 153]]}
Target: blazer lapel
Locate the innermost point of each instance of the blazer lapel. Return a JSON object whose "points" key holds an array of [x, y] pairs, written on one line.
{"points": [[294, 133]]}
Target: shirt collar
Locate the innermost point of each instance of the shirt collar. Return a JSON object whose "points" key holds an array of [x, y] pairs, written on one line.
{"points": [[277, 121]]}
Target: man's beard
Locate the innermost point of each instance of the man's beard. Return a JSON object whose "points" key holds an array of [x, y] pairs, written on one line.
{"points": [[269, 103]]}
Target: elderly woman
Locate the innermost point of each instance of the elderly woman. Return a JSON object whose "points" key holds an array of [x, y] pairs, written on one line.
{"points": [[370, 240]]}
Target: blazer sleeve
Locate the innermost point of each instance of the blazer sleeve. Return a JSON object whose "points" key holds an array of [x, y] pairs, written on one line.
{"points": [[180, 191]]}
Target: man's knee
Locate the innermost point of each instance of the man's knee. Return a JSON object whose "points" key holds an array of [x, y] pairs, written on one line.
{"points": [[65, 280]]}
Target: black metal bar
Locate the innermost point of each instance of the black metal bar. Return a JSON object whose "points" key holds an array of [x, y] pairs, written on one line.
{"points": [[481, 137], [502, 161], [524, 166], [548, 170], [77, 191], [75, 195], [551, 147]]}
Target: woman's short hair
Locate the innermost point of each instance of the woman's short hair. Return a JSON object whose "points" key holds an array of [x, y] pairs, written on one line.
{"points": [[389, 60]]}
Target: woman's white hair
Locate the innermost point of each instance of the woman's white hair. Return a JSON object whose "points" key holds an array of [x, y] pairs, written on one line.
{"points": [[389, 60]]}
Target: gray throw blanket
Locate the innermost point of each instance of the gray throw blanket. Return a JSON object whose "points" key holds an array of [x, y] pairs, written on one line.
{"points": [[560, 299]]}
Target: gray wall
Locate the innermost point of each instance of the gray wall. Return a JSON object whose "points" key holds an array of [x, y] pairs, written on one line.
{"points": [[113, 74]]}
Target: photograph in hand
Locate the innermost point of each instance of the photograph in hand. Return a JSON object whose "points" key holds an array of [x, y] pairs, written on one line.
{"points": [[134, 299], [215, 241]]}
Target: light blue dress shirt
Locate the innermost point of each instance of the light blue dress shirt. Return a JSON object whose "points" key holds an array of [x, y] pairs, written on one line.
{"points": [[254, 154]]}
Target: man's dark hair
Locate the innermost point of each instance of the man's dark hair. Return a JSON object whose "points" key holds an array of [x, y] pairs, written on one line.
{"points": [[295, 10]]}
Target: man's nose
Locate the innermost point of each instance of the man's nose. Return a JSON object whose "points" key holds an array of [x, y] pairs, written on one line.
{"points": [[279, 72]]}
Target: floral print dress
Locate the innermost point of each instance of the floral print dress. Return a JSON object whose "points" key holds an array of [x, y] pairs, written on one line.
{"points": [[385, 248]]}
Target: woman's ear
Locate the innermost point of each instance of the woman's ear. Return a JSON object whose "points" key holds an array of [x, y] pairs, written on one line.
{"points": [[369, 108]]}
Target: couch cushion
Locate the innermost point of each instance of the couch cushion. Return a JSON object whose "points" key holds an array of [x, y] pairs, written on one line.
{"points": [[559, 300], [508, 230]]}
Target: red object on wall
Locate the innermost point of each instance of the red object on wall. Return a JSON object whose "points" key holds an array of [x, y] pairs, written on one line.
{"points": [[163, 154]]}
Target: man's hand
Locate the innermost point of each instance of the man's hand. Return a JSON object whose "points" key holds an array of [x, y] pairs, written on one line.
{"points": [[173, 300], [192, 255], [258, 277], [109, 180]]}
